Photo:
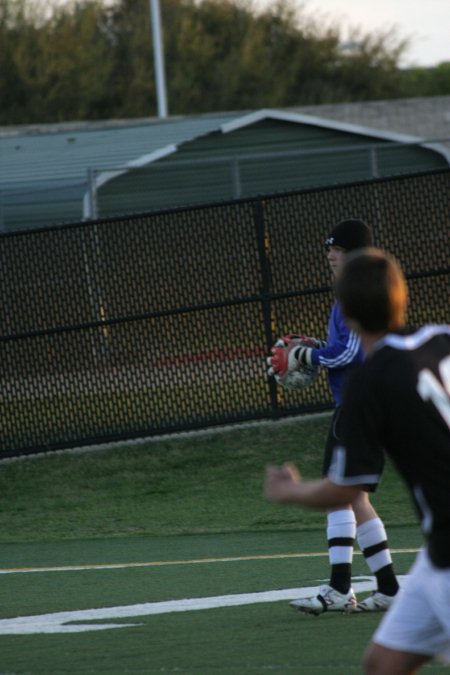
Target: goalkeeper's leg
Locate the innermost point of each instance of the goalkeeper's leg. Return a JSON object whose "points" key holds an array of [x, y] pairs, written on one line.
{"points": [[341, 524], [338, 595]]}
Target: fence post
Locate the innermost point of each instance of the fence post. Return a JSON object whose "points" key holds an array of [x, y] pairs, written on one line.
{"points": [[92, 196], [373, 162]]}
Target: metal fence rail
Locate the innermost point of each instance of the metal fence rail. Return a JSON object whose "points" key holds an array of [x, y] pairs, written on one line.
{"points": [[161, 322]]}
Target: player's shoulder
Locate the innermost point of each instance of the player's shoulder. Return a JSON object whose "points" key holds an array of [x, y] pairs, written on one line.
{"points": [[412, 339], [398, 356]]}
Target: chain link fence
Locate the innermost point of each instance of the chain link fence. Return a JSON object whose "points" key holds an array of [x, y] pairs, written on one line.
{"points": [[161, 322]]}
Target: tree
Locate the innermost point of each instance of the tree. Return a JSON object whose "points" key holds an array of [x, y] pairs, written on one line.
{"points": [[56, 67], [18, 38], [90, 60], [428, 81], [222, 55]]}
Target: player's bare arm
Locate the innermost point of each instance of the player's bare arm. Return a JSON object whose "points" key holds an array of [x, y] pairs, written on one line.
{"points": [[285, 485]]}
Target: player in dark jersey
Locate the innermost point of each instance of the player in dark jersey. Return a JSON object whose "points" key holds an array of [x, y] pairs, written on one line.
{"points": [[396, 402]]}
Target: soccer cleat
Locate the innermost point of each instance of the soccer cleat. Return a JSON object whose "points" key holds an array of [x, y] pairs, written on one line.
{"points": [[327, 600], [377, 602]]}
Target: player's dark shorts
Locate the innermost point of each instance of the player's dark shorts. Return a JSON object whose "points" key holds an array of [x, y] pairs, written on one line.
{"points": [[333, 439]]}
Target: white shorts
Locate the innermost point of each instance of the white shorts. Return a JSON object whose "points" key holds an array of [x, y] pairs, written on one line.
{"points": [[418, 621]]}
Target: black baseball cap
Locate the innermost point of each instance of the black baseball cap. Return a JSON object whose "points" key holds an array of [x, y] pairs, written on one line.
{"points": [[350, 234]]}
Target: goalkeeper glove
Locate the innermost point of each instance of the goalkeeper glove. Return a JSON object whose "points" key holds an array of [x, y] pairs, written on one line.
{"points": [[288, 355]]}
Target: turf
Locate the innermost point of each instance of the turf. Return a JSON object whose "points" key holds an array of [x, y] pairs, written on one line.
{"points": [[247, 639], [194, 506]]}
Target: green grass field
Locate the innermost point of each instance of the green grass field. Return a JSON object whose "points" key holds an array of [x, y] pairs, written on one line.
{"points": [[173, 520]]}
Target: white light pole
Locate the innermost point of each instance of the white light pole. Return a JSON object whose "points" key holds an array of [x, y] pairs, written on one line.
{"points": [[158, 53]]}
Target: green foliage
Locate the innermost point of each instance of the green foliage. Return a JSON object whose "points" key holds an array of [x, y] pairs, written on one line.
{"points": [[90, 60], [61, 67], [429, 82]]}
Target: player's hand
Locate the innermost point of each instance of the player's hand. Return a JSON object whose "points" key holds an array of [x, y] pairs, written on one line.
{"points": [[282, 360], [281, 482]]}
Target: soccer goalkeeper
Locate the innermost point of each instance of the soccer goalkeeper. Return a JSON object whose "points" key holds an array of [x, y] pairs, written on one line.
{"points": [[357, 520]]}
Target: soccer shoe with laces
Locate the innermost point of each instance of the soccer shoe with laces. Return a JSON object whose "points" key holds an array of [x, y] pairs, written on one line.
{"points": [[377, 602], [327, 600]]}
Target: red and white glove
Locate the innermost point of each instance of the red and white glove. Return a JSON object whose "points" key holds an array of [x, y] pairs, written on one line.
{"points": [[288, 354]]}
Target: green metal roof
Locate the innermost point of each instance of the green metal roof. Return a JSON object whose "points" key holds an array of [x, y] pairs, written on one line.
{"points": [[66, 155]]}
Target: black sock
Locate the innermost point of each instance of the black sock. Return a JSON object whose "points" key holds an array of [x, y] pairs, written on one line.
{"points": [[341, 577], [386, 580]]}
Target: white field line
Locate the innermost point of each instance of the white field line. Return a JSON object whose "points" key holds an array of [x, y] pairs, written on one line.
{"points": [[67, 622], [164, 563], [63, 622]]}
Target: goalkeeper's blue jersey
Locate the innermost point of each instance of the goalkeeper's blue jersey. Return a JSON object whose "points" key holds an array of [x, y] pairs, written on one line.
{"points": [[342, 351]]}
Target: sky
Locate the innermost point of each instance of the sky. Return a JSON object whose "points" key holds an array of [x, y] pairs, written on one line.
{"points": [[426, 24]]}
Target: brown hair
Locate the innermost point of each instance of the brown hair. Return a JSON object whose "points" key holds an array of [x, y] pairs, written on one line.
{"points": [[372, 290]]}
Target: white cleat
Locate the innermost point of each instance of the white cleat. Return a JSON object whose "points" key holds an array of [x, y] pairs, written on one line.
{"points": [[327, 600], [377, 602]]}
